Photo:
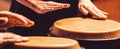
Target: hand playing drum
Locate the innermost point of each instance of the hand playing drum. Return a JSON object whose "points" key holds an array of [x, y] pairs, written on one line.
{"points": [[9, 19]]}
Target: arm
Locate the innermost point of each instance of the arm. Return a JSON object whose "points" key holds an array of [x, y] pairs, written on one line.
{"points": [[86, 6]]}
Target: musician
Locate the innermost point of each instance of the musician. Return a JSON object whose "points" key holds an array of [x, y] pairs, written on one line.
{"points": [[45, 12]]}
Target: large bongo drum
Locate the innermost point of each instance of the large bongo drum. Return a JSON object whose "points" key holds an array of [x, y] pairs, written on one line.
{"points": [[42, 42], [90, 33]]}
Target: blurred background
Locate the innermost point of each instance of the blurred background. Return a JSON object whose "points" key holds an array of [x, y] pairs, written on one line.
{"points": [[5, 4]]}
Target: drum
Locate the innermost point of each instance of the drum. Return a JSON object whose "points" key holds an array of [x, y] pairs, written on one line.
{"points": [[42, 42], [90, 33]]}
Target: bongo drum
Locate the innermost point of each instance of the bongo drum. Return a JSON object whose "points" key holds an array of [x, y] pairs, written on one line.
{"points": [[42, 42], [92, 33]]}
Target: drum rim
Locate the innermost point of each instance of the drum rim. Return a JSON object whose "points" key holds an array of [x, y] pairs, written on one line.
{"points": [[88, 39], [99, 39]]}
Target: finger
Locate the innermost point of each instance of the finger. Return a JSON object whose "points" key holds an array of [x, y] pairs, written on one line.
{"points": [[22, 39], [83, 10], [12, 40], [102, 15], [46, 8], [60, 5], [15, 38], [20, 20], [30, 23], [63, 6], [100, 10], [43, 10], [1, 41], [95, 13], [3, 20], [12, 16], [55, 4], [105, 13], [51, 7], [7, 35]]}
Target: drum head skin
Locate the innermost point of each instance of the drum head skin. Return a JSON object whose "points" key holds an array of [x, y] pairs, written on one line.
{"points": [[42, 42], [86, 28]]}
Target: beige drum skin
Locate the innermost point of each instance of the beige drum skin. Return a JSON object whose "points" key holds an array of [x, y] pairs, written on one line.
{"points": [[86, 29], [42, 42]]}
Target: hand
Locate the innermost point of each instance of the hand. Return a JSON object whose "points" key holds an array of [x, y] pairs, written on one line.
{"points": [[86, 6], [43, 7], [9, 19], [10, 37]]}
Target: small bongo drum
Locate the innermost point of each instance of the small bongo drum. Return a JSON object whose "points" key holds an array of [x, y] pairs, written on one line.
{"points": [[42, 42], [90, 33]]}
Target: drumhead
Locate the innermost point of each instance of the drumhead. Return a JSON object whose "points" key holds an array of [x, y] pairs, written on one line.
{"points": [[86, 28], [43, 42]]}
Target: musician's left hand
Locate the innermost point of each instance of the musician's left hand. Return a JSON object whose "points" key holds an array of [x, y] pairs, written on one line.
{"points": [[11, 37]]}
